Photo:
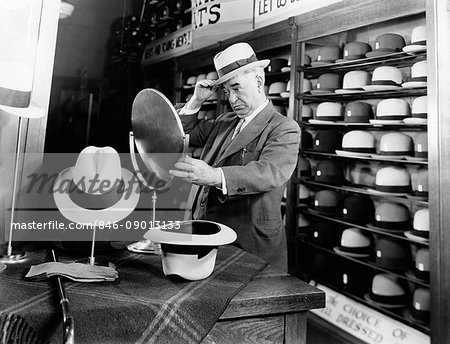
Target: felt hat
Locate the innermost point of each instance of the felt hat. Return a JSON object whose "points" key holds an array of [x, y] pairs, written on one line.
{"points": [[304, 166], [421, 305], [421, 145], [418, 40], [356, 278], [358, 209], [276, 88], [392, 216], [97, 189], [329, 171], [325, 234], [354, 81], [327, 54], [234, 60], [330, 111], [422, 264], [355, 51], [396, 144], [327, 141], [327, 83], [421, 224], [392, 254], [307, 112], [419, 181], [385, 78], [358, 112], [392, 109], [393, 179], [387, 43], [418, 75], [276, 64], [189, 248], [326, 201], [354, 243], [358, 141], [420, 107], [387, 291]]}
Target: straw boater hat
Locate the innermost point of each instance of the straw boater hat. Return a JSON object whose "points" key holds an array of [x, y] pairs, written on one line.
{"points": [[234, 60], [97, 189]]}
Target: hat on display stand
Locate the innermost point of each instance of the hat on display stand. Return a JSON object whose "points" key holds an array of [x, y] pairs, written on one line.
{"points": [[276, 88], [385, 78], [420, 309], [329, 112], [391, 111], [391, 217], [276, 65], [355, 51], [358, 112], [358, 209], [388, 291], [395, 146], [326, 55], [354, 81], [325, 234], [307, 112], [327, 83], [330, 171], [327, 141], [357, 143], [418, 42], [388, 43], [419, 181], [419, 111], [326, 202], [354, 243], [418, 75], [392, 180], [190, 82], [421, 226]]}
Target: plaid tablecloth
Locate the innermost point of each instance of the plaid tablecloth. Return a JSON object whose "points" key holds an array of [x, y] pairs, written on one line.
{"points": [[142, 306]]}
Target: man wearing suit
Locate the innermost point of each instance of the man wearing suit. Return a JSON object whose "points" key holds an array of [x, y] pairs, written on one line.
{"points": [[248, 156]]}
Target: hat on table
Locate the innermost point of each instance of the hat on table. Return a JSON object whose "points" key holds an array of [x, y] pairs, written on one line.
{"points": [[330, 111], [234, 60], [355, 51], [358, 141], [418, 75], [385, 78], [327, 83], [388, 291], [392, 109], [354, 81], [387, 43], [304, 166], [358, 209], [276, 64], [419, 181], [421, 145], [392, 254], [422, 264], [326, 201], [396, 144], [327, 141], [358, 112], [392, 216], [325, 234], [354, 243], [327, 54], [329, 171], [97, 188], [418, 40], [393, 179]]}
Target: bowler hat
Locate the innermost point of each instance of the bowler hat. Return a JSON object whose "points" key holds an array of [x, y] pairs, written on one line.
{"points": [[419, 107], [418, 75], [327, 141], [355, 51], [190, 82], [327, 83], [354, 243], [421, 305], [326, 201], [422, 264], [358, 209], [304, 194], [418, 40], [354, 81], [393, 179], [234, 60], [306, 112], [325, 234], [421, 225], [329, 171], [358, 112], [392, 216], [419, 181], [388, 291], [387, 43], [385, 78], [358, 141], [276, 88], [327, 54], [421, 145], [330, 111], [392, 254], [396, 144]]}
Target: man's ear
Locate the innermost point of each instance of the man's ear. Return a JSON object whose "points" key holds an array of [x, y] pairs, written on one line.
{"points": [[259, 80]]}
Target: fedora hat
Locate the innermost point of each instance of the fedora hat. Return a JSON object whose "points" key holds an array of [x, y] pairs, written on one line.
{"points": [[354, 243], [391, 217], [97, 189], [234, 60], [392, 109], [358, 209], [418, 75], [330, 111], [393, 179], [189, 249], [276, 64], [355, 51], [358, 112], [418, 40], [327, 83], [392, 254], [329, 171], [387, 43], [396, 144], [326, 201], [325, 234], [327, 141], [387, 291], [327, 54], [354, 81], [385, 78], [358, 141]]}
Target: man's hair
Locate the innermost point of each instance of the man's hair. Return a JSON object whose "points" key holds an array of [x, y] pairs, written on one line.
{"points": [[257, 71]]}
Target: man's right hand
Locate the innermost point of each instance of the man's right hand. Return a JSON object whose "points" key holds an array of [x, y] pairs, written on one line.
{"points": [[203, 90]]}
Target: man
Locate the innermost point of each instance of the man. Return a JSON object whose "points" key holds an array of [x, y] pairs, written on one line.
{"points": [[248, 156]]}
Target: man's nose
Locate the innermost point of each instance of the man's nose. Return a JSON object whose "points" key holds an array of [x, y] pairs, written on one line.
{"points": [[232, 98]]}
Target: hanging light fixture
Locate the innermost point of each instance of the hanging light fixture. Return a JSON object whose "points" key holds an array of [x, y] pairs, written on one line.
{"points": [[66, 10]]}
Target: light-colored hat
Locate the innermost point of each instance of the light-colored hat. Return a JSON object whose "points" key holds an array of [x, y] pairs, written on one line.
{"points": [[387, 291], [418, 75], [392, 217], [396, 144], [358, 141], [212, 76], [354, 243], [276, 88], [276, 64], [355, 80], [201, 76], [97, 188], [421, 145], [385, 77], [387, 43], [418, 40], [420, 107], [392, 109], [307, 112], [330, 111], [236, 59], [393, 179]]}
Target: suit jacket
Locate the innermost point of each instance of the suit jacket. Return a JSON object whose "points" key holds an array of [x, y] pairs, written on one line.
{"points": [[256, 165]]}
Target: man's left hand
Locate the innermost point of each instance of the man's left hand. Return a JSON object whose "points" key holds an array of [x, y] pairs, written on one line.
{"points": [[197, 172]]}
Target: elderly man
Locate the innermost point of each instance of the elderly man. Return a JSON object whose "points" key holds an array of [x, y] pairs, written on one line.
{"points": [[248, 156]]}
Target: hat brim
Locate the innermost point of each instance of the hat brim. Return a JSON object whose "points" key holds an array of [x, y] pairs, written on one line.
{"points": [[350, 254], [384, 305], [225, 236], [228, 76], [410, 235], [414, 48], [121, 209], [414, 84]]}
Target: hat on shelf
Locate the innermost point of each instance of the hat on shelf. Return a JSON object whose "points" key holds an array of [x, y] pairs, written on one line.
{"points": [[190, 82], [306, 85], [326, 55], [287, 68], [418, 40], [421, 226], [306, 60], [355, 51], [358, 112], [418, 75], [392, 217], [419, 181], [326, 201], [307, 112], [212, 75], [190, 250], [306, 139], [327, 83], [329, 171], [286, 92], [421, 306], [354, 243], [422, 264], [276, 64], [327, 141], [303, 223], [421, 145], [354, 81], [388, 291], [385, 78], [393, 179], [234, 60], [387, 43], [392, 109], [276, 88], [358, 209], [396, 144], [324, 267], [325, 234], [420, 107], [330, 111], [362, 175], [304, 194], [304, 167], [356, 278], [358, 141], [392, 254]]}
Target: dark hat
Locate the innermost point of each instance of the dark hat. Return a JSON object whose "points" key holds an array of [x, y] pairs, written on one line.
{"points": [[387, 291], [304, 166], [306, 139], [327, 83], [354, 243], [324, 267], [358, 112], [358, 209], [327, 141], [325, 234], [394, 144], [327, 54], [387, 43], [421, 305], [419, 180], [392, 109], [356, 278], [392, 216], [358, 141], [393, 179], [422, 264], [356, 50], [392, 254], [421, 145], [330, 111], [276, 64], [329, 171], [326, 201]]}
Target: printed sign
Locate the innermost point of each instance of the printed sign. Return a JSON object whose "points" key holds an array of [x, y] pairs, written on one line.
{"points": [[175, 44], [366, 323], [216, 20], [268, 12]]}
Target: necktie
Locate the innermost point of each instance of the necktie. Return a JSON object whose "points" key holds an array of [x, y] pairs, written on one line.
{"points": [[238, 128]]}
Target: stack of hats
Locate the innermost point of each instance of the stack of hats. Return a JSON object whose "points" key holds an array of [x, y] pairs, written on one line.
{"points": [[330, 111], [358, 112], [355, 51], [354, 243], [325, 234], [388, 43], [358, 209], [393, 179], [388, 291], [420, 308], [358, 142], [396, 145], [418, 40], [326, 55], [356, 278], [385, 78], [304, 167], [421, 145], [327, 83], [354, 81], [327, 202], [330, 172], [327, 141], [418, 75], [392, 110], [391, 217], [392, 254], [419, 181], [419, 111], [421, 226], [276, 64]]}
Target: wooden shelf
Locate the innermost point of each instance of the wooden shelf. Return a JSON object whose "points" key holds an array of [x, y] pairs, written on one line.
{"points": [[352, 126]]}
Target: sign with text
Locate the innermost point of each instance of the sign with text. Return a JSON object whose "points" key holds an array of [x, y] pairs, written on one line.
{"points": [[216, 20], [366, 323], [268, 12], [175, 44]]}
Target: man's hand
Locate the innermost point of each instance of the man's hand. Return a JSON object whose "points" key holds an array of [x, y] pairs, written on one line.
{"points": [[203, 90], [197, 172]]}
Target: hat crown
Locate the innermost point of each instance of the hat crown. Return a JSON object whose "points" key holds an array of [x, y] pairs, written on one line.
{"points": [[358, 112], [419, 180], [201, 76], [97, 170], [327, 141], [303, 192], [307, 86], [327, 198], [419, 35], [422, 299], [358, 209], [329, 109], [423, 259], [391, 42], [392, 175], [358, 138], [356, 79], [354, 237], [419, 69], [396, 142], [307, 111], [422, 220], [354, 50], [391, 212], [421, 142], [277, 87], [329, 54], [191, 80], [393, 107], [419, 105], [387, 285], [387, 73], [328, 81]]}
